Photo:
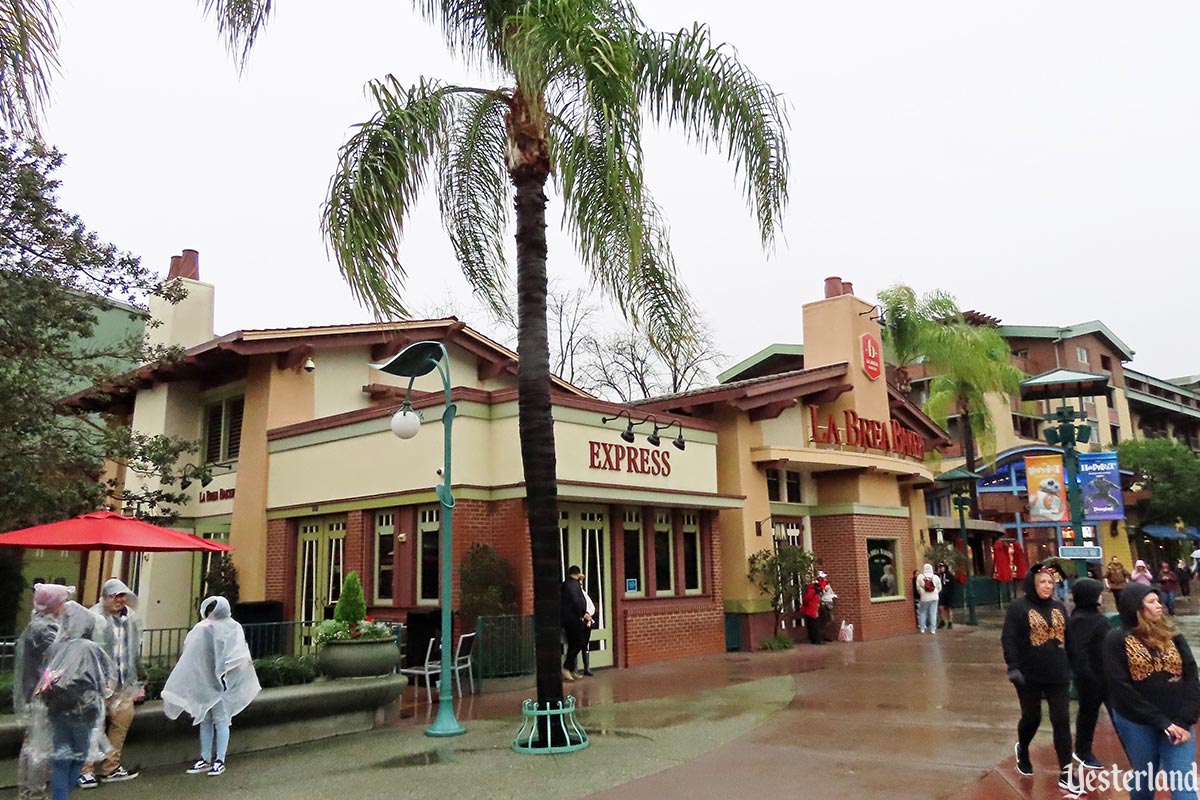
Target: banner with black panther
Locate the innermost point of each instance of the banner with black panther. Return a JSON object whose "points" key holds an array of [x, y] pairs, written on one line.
{"points": [[1100, 482]]}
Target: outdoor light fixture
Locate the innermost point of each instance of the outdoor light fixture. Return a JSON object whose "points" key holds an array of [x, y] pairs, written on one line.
{"points": [[626, 434], [876, 314], [655, 440], [758, 525], [406, 422], [422, 358], [205, 476]]}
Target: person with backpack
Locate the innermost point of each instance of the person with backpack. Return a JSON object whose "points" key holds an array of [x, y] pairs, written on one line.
{"points": [[929, 586], [1085, 651], [213, 681], [69, 700], [948, 596], [32, 655], [1034, 641]]}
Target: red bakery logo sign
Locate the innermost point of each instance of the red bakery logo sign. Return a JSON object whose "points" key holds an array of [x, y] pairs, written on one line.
{"points": [[872, 356]]}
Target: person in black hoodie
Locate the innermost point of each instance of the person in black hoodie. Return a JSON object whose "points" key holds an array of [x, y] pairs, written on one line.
{"points": [[1085, 648], [1034, 640], [1153, 691]]}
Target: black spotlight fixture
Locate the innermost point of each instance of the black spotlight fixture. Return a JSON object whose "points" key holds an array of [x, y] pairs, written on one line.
{"points": [[204, 474], [626, 434], [655, 440]]}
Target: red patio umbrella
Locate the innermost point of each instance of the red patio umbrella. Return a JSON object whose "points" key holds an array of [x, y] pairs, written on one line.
{"points": [[107, 530]]}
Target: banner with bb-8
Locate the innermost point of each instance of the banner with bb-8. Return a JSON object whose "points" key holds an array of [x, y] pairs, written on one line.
{"points": [[1044, 479]]}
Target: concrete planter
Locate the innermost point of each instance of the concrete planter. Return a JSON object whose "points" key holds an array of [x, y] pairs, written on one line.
{"points": [[358, 658]]}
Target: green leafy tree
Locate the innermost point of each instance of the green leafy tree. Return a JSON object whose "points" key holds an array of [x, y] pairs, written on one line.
{"points": [[579, 80], [58, 281], [782, 576], [222, 578], [351, 606], [487, 585], [1170, 471]]}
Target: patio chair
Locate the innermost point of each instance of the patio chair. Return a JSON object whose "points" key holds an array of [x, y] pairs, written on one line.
{"points": [[430, 670], [462, 660]]}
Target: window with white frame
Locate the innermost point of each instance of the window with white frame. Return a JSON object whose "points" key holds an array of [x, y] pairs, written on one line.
{"points": [[1081, 354], [429, 522], [635, 554], [223, 429], [693, 566], [385, 557], [664, 553]]}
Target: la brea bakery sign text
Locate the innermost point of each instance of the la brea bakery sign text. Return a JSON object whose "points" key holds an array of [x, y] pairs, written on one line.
{"points": [[872, 434]]}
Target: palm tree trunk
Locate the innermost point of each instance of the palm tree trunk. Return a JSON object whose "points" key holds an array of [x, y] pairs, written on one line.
{"points": [[529, 167], [969, 452]]}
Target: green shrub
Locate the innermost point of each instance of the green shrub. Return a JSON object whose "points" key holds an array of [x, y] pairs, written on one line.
{"points": [[155, 677], [351, 607], [6, 693], [779, 641], [488, 589], [285, 670]]}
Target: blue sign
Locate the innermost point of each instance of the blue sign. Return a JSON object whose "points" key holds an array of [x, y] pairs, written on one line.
{"points": [[631, 584], [1080, 551], [1100, 484]]}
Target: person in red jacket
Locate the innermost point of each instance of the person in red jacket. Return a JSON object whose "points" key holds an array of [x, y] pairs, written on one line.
{"points": [[815, 605]]}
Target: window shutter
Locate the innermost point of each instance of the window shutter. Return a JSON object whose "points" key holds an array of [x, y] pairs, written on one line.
{"points": [[212, 433], [233, 424]]}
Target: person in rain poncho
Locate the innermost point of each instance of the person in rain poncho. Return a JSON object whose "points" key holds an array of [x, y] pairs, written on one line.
{"points": [[32, 654], [68, 701], [1141, 574], [213, 681], [121, 638]]}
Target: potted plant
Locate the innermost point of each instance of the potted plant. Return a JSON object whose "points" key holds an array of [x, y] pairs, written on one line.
{"points": [[352, 644]]}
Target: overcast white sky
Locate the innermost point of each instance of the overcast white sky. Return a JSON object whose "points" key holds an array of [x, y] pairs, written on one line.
{"points": [[1038, 160]]}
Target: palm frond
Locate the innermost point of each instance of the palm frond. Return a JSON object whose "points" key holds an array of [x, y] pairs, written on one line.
{"points": [[28, 59], [239, 22], [473, 29], [687, 80], [381, 171], [474, 194]]}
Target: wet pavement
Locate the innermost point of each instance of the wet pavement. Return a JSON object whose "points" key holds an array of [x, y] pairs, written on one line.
{"points": [[909, 717]]}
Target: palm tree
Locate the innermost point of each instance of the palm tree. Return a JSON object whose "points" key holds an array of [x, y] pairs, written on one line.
{"points": [[29, 50], [579, 79], [971, 361], [912, 326]]}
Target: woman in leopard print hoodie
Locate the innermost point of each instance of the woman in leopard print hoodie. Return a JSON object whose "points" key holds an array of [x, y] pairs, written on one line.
{"points": [[1152, 684], [1034, 639]]}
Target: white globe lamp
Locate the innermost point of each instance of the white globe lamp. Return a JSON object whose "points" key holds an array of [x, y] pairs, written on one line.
{"points": [[405, 422]]}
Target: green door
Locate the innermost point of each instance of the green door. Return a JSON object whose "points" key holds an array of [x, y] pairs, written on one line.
{"points": [[585, 542], [320, 563]]}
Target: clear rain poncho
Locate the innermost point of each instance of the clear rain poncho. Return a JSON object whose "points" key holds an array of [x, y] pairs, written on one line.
{"points": [[121, 639], [66, 708], [215, 672]]}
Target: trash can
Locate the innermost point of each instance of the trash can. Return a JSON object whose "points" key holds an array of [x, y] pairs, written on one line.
{"points": [[266, 633], [420, 627]]}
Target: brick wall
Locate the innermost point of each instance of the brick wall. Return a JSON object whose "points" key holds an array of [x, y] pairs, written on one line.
{"points": [[281, 564], [841, 544], [660, 630]]}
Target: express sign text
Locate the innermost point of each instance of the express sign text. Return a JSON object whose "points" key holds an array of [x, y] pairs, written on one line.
{"points": [[627, 458]]}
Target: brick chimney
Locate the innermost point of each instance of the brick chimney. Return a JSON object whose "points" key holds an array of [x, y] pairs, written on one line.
{"points": [[190, 321]]}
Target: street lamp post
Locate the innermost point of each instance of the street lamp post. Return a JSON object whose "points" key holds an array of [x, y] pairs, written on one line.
{"points": [[412, 362], [960, 479]]}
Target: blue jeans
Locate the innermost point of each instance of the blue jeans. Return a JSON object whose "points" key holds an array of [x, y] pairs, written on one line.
{"points": [[1168, 599], [70, 735], [214, 722], [1145, 744], [927, 615]]}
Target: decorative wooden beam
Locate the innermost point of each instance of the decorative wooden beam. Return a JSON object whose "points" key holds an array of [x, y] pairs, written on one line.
{"points": [[487, 370], [295, 357], [772, 410], [383, 351]]}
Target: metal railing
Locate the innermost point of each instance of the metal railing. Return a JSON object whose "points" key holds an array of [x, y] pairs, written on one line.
{"points": [[161, 646], [504, 646]]}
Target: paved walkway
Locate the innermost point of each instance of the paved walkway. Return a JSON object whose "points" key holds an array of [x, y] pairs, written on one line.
{"points": [[909, 717]]}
